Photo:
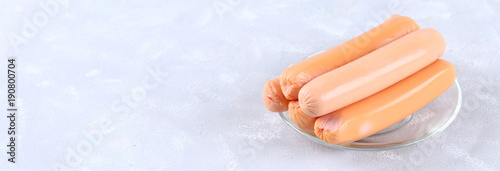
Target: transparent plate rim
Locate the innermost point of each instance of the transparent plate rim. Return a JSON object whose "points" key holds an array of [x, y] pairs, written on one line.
{"points": [[408, 143]]}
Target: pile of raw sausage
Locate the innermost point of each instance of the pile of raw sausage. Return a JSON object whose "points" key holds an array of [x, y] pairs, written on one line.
{"points": [[364, 85]]}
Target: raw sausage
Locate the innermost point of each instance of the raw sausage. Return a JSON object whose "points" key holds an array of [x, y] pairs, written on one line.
{"points": [[386, 107], [371, 73], [294, 77], [303, 121], [273, 96]]}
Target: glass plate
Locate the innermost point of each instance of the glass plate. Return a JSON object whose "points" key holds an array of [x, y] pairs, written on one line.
{"points": [[426, 122]]}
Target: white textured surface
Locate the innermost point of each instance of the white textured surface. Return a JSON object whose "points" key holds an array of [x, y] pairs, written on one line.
{"points": [[76, 72]]}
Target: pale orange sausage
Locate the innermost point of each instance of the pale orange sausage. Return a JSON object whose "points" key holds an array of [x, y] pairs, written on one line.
{"points": [[273, 96], [294, 77], [386, 107], [303, 121], [371, 73]]}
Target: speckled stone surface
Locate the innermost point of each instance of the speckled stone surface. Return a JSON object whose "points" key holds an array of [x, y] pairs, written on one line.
{"points": [[176, 85]]}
